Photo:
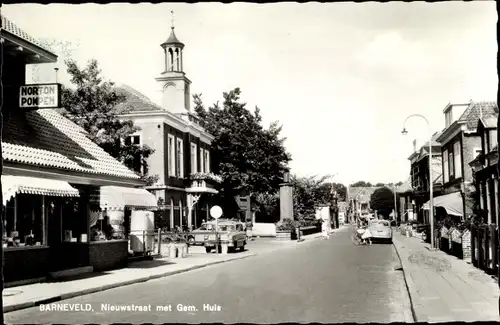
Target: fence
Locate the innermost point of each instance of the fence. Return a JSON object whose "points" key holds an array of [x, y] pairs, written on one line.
{"points": [[485, 248]]}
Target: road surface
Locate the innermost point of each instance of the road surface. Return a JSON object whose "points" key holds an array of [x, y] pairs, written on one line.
{"points": [[318, 281]]}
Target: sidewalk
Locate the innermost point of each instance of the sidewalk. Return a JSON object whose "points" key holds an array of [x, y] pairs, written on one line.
{"points": [[31, 295], [444, 288]]}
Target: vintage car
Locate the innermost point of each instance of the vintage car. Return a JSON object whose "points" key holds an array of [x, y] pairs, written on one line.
{"points": [[197, 236], [232, 232], [381, 230]]}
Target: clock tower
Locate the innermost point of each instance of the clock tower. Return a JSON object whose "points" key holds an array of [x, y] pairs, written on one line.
{"points": [[175, 86]]}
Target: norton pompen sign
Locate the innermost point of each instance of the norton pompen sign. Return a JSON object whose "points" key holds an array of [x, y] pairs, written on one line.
{"points": [[40, 96]]}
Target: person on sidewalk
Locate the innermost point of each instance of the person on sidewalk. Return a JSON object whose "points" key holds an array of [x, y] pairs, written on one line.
{"points": [[324, 231]]}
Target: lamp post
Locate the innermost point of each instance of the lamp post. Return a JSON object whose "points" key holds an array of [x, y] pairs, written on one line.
{"points": [[395, 204], [431, 204]]}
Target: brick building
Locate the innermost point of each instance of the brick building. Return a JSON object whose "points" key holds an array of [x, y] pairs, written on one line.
{"points": [[461, 144], [484, 167], [182, 147], [419, 178]]}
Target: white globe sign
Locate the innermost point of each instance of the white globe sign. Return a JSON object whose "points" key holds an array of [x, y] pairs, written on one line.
{"points": [[216, 212]]}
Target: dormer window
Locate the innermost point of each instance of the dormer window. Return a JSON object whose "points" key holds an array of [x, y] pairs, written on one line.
{"points": [[448, 117]]}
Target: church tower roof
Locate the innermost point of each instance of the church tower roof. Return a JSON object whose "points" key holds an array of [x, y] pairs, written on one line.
{"points": [[172, 40]]}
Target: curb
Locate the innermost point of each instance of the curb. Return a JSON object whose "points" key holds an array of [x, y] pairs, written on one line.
{"points": [[405, 276], [30, 304]]}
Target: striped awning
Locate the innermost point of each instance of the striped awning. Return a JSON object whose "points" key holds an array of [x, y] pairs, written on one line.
{"points": [[452, 203], [12, 185], [117, 198]]}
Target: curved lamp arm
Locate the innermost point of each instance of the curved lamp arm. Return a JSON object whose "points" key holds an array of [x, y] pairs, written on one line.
{"points": [[415, 115]]}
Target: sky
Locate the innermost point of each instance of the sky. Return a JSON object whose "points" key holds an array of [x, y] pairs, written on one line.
{"points": [[340, 77]]}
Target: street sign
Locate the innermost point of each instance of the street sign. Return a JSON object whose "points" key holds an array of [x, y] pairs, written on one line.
{"points": [[216, 212]]}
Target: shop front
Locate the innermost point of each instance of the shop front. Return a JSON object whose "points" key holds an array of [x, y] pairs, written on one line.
{"points": [[52, 176], [124, 217]]}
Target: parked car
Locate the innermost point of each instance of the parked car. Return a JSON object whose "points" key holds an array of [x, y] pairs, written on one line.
{"points": [[197, 236], [230, 231], [381, 230]]}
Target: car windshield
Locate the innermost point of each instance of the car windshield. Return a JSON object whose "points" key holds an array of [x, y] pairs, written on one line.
{"points": [[226, 228], [381, 223]]}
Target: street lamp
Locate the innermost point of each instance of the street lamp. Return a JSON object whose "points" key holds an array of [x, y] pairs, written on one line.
{"points": [[431, 204], [395, 204]]}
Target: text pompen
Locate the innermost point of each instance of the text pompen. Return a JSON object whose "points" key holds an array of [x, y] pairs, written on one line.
{"points": [[65, 307]]}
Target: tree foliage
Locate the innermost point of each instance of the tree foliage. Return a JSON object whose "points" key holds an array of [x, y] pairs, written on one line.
{"points": [[310, 192], [248, 157], [362, 184], [382, 200], [92, 104], [267, 207]]}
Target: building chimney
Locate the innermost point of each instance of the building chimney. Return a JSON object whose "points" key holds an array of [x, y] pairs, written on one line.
{"points": [[415, 145]]}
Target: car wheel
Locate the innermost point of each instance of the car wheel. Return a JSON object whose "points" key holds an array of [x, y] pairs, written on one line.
{"points": [[242, 248], [208, 249]]}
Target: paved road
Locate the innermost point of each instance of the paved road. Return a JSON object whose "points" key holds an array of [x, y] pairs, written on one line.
{"points": [[318, 281]]}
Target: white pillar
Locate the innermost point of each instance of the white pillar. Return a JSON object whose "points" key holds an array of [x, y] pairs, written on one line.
{"points": [[180, 212], [190, 209], [488, 200], [171, 213], [180, 59], [495, 184], [481, 201]]}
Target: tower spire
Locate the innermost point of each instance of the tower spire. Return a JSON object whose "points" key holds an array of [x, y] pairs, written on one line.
{"points": [[172, 13]]}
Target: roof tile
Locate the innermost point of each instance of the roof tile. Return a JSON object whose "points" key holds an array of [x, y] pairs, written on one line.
{"points": [[46, 138], [12, 28], [135, 101], [476, 110]]}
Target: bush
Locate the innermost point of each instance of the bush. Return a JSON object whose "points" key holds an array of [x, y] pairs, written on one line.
{"points": [[287, 225]]}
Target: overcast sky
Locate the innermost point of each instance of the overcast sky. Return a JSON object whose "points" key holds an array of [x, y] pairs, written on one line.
{"points": [[340, 77]]}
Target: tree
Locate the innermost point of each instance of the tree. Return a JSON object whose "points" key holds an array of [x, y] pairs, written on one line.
{"points": [[379, 184], [382, 200], [248, 157], [267, 207], [308, 193], [362, 184], [93, 106]]}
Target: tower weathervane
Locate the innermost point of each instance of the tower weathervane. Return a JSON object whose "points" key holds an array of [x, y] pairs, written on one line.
{"points": [[172, 12]]}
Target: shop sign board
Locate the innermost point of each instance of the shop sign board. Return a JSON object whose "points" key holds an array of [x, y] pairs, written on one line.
{"points": [[37, 96]]}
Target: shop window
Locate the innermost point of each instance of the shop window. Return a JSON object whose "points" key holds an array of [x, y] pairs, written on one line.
{"points": [[24, 221], [71, 218]]}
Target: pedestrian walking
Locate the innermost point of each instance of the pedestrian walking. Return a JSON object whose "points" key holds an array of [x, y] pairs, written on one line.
{"points": [[324, 230]]}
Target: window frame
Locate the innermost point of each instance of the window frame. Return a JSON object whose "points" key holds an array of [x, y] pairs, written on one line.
{"points": [[446, 167], [457, 152], [179, 157], [202, 160], [194, 158], [171, 155], [206, 160]]}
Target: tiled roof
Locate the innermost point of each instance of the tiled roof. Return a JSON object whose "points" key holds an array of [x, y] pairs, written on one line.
{"points": [[135, 101], [12, 28], [46, 138], [475, 111]]}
